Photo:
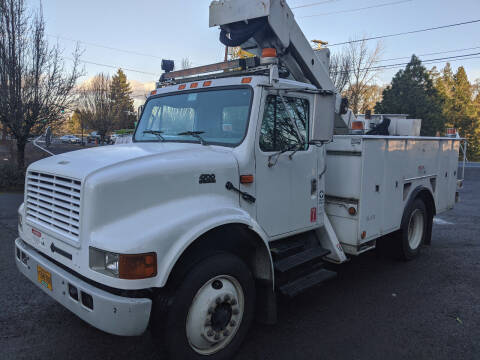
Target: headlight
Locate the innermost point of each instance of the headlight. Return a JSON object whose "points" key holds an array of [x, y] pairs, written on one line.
{"points": [[104, 262], [123, 266]]}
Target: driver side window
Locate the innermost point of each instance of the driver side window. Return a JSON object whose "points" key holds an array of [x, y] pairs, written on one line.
{"points": [[278, 132]]}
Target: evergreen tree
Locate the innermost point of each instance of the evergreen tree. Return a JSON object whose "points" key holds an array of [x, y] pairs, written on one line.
{"points": [[462, 113], [122, 101], [412, 92], [460, 109]]}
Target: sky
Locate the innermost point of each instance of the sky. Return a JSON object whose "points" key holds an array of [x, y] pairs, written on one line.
{"points": [[147, 31]]}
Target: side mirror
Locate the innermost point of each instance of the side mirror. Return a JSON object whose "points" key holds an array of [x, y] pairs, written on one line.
{"points": [[323, 117], [139, 111]]}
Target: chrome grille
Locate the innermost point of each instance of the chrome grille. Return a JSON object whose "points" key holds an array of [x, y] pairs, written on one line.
{"points": [[54, 202]]}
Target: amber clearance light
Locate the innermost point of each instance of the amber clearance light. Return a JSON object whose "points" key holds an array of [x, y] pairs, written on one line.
{"points": [[137, 266]]}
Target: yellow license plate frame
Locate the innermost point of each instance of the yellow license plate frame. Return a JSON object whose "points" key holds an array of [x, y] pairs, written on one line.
{"points": [[44, 277]]}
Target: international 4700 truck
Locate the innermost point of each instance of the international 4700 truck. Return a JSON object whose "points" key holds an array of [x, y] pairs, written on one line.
{"points": [[242, 182]]}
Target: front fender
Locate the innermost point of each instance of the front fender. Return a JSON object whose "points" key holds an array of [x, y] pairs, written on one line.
{"points": [[169, 229]]}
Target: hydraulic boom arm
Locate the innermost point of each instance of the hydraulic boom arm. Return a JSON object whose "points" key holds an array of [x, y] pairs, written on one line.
{"points": [[258, 24]]}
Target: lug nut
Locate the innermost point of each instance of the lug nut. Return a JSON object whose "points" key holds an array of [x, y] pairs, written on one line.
{"points": [[217, 336], [226, 333], [210, 333], [233, 323], [233, 302], [226, 298], [219, 300], [235, 311]]}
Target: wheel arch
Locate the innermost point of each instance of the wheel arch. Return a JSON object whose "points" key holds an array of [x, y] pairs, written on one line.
{"points": [[244, 240]]}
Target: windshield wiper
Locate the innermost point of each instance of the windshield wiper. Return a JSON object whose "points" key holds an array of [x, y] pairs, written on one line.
{"points": [[195, 134], [155, 132]]}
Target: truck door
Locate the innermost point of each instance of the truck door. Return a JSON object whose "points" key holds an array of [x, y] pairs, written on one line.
{"points": [[286, 166]]}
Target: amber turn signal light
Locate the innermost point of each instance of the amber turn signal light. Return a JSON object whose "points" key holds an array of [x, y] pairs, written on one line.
{"points": [[357, 125], [246, 179], [137, 266]]}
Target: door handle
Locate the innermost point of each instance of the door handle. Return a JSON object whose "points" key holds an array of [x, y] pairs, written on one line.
{"points": [[313, 186]]}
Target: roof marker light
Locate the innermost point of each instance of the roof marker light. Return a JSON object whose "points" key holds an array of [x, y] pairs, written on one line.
{"points": [[154, 92], [246, 80], [207, 83], [181, 87], [193, 85], [269, 53]]}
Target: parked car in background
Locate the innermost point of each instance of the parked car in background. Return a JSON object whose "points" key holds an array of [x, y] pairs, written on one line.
{"points": [[70, 139], [113, 138], [92, 137]]}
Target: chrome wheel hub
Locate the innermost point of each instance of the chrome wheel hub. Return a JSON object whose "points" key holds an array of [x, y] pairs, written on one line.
{"points": [[215, 315], [415, 229]]}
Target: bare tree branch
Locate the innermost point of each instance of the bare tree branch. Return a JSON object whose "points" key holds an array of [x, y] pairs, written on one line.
{"points": [[35, 89]]}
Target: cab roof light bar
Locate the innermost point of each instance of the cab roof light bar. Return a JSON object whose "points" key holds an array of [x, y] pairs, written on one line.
{"points": [[238, 64]]}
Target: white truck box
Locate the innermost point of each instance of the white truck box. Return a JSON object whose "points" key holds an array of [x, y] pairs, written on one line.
{"points": [[375, 176]]}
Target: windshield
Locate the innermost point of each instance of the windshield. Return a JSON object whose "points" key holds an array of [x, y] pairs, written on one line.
{"points": [[220, 116]]}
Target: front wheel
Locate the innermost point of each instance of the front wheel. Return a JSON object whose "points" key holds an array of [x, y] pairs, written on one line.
{"points": [[211, 310]]}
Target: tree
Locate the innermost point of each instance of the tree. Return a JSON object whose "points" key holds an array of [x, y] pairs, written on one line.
{"points": [[73, 125], [186, 63], [339, 69], [363, 72], [35, 90], [460, 108], [95, 105], [412, 92], [121, 94], [372, 95]]}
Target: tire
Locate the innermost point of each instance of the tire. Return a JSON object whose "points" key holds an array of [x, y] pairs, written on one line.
{"points": [[211, 310], [413, 230]]}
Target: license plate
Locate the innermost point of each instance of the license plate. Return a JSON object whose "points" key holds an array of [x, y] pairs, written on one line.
{"points": [[44, 277]]}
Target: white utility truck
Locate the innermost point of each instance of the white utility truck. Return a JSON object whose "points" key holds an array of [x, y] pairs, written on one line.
{"points": [[234, 190]]}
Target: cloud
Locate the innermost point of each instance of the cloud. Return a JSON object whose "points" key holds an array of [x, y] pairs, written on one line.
{"points": [[140, 90]]}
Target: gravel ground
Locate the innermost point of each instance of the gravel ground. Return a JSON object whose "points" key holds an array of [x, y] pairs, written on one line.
{"points": [[377, 308]]}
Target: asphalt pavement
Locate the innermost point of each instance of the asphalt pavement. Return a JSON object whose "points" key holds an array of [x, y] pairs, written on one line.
{"points": [[377, 308]]}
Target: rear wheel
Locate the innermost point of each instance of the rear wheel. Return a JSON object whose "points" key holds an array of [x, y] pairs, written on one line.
{"points": [[211, 310], [413, 230]]}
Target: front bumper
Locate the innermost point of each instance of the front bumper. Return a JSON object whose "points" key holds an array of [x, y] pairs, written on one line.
{"points": [[113, 314]]}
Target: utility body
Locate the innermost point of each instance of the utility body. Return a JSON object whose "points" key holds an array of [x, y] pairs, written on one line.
{"points": [[233, 191]]}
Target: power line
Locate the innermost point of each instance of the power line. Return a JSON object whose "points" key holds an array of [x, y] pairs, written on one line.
{"points": [[428, 61], [406, 33], [359, 9], [425, 61], [429, 54], [106, 47], [113, 66], [314, 4]]}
